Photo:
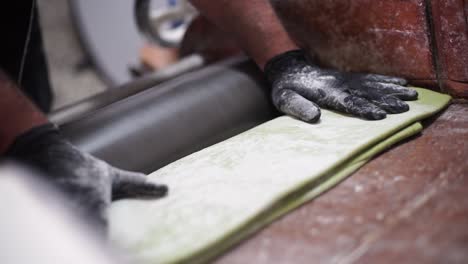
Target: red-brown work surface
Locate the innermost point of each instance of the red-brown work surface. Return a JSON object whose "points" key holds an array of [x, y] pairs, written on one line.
{"points": [[425, 41], [451, 35], [451, 27], [387, 37], [418, 39], [409, 205]]}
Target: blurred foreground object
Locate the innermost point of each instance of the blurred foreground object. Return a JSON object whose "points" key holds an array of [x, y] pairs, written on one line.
{"points": [[37, 225]]}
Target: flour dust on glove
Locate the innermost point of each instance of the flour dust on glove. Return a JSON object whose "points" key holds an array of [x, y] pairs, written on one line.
{"points": [[299, 89], [90, 183]]}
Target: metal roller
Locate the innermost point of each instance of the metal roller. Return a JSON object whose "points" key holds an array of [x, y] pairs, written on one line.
{"points": [[159, 125], [89, 105]]}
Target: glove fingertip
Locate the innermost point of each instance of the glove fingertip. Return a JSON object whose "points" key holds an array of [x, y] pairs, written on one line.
{"points": [[392, 105], [374, 115], [378, 115], [153, 191], [401, 81], [294, 104], [312, 116], [140, 191], [364, 109], [412, 94], [161, 190], [386, 79]]}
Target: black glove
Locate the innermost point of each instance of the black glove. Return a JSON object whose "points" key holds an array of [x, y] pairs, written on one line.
{"points": [[89, 182], [299, 88]]}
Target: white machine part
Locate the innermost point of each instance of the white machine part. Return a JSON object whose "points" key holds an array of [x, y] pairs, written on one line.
{"points": [[111, 31], [164, 21]]}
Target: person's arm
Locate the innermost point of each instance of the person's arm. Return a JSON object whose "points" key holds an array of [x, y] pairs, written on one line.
{"points": [[17, 113], [253, 24], [27, 137], [299, 86]]}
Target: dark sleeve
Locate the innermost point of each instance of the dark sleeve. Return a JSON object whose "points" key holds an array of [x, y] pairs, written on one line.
{"points": [[14, 24]]}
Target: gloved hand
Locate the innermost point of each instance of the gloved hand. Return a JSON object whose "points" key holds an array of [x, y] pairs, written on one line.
{"points": [[89, 182], [301, 88]]}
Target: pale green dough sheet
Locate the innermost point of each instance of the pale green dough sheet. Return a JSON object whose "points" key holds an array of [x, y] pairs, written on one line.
{"points": [[225, 192]]}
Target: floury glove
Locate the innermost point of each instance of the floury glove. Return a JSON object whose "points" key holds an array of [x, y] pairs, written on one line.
{"points": [[299, 89], [90, 183]]}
